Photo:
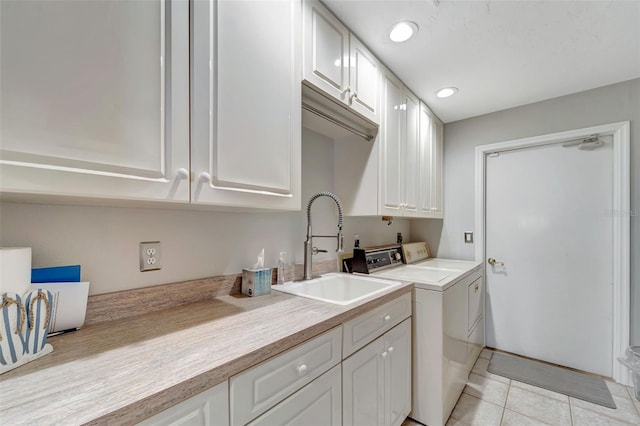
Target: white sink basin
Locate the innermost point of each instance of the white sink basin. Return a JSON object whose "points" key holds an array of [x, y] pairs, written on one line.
{"points": [[337, 288]]}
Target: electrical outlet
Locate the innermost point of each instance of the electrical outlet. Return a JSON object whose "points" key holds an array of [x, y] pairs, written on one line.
{"points": [[150, 256], [468, 237]]}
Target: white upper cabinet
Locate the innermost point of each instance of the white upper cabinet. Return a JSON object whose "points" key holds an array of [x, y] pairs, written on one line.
{"points": [[399, 149], [437, 151], [246, 119], [411, 154], [326, 50], [426, 178], [95, 99], [391, 156], [337, 63], [364, 79], [431, 145]]}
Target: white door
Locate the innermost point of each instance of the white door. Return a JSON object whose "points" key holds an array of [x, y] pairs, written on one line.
{"points": [[547, 219]]}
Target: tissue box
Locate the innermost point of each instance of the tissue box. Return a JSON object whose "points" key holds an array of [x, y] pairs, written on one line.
{"points": [[256, 282]]}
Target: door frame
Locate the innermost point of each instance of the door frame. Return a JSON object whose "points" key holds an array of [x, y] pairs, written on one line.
{"points": [[621, 219]]}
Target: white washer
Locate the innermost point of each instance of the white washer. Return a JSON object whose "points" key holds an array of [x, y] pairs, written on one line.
{"points": [[448, 328]]}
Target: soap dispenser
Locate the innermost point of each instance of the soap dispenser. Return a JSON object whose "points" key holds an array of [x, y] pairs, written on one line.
{"points": [[281, 260]]}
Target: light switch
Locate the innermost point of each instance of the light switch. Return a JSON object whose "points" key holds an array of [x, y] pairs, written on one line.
{"points": [[468, 237]]}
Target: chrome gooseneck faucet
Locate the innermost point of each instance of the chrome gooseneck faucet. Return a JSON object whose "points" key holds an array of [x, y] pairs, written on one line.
{"points": [[309, 249]]}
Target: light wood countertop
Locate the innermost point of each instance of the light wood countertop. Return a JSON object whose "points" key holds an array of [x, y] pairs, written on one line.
{"points": [[123, 371]]}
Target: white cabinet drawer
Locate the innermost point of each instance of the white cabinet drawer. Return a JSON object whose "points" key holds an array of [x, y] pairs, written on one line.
{"points": [[475, 291], [254, 391], [209, 408], [318, 403], [363, 329]]}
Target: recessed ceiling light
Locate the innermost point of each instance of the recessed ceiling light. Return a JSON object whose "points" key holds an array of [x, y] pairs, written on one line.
{"points": [[403, 31], [446, 92]]}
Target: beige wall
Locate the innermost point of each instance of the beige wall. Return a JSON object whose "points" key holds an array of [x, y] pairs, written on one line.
{"points": [[618, 102], [195, 244]]}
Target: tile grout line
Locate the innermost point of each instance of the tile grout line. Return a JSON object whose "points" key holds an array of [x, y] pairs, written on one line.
{"points": [[570, 410], [504, 408]]}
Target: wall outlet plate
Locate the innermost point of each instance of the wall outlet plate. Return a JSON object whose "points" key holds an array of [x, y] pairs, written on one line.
{"points": [[150, 256], [468, 237]]}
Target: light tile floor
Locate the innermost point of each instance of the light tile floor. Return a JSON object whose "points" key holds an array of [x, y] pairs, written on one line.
{"points": [[491, 400]]}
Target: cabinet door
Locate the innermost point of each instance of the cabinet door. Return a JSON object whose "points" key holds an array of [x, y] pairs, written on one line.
{"points": [[326, 50], [318, 403], [437, 205], [410, 174], [426, 182], [363, 386], [209, 408], [246, 122], [364, 79], [95, 99], [398, 373], [391, 159]]}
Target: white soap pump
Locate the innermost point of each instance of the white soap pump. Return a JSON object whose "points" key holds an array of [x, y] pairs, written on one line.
{"points": [[281, 260]]}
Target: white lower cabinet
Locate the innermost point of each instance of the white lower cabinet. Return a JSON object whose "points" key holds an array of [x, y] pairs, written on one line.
{"points": [[258, 389], [377, 380], [209, 408], [398, 374], [363, 382], [318, 403]]}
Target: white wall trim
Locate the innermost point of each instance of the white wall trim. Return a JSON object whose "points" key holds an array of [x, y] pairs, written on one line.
{"points": [[621, 220]]}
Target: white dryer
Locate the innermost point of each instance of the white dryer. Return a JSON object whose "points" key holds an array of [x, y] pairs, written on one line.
{"points": [[448, 321]]}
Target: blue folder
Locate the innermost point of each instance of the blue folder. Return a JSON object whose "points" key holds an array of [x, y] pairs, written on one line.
{"points": [[56, 274]]}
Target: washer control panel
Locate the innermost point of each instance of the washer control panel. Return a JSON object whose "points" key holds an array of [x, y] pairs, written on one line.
{"points": [[368, 260], [415, 252]]}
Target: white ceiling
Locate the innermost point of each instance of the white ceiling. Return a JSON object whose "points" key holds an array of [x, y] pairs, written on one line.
{"points": [[500, 54]]}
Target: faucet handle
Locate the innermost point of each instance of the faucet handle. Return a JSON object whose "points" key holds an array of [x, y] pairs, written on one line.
{"points": [[316, 250]]}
